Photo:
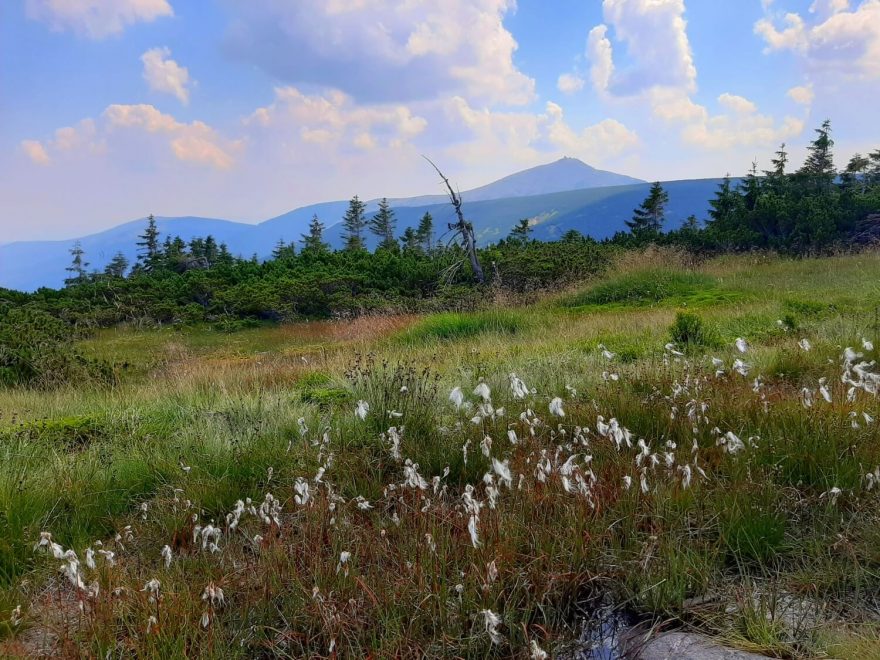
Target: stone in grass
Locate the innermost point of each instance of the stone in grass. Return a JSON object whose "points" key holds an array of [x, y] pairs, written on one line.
{"points": [[690, 646]]}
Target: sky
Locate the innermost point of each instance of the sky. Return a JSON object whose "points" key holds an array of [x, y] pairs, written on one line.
{"points": [[245, 109]]}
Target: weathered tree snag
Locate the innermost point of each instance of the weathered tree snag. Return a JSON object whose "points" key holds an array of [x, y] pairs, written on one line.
{"points": [[462, 227]]}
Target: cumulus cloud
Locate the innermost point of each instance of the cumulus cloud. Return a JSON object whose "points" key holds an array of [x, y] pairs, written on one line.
{"points": [[726, 131], [802, 94], [654, 33], [35, 150], [96, 19], [333, 116], [737, 104], [570, 83], [195, 142], [842, 40], [381, 51], [165, 75]]}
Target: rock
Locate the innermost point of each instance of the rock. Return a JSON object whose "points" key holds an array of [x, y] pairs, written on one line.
{"points": [[688, 646]]}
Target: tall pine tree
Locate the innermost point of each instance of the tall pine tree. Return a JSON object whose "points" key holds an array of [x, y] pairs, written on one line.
{"points": [[383, 224], [77, 267], [117, 266], [819, 165], [354, 223], [425, 232], [648, 218], [313, 242], [149, 253]]}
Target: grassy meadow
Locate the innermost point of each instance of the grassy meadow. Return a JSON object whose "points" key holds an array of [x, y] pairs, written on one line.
{"points": [[321, 490]]}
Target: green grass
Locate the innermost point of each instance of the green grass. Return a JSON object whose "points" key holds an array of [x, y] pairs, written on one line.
{"points": [[651, 287], [80, 463], [452, 326]]}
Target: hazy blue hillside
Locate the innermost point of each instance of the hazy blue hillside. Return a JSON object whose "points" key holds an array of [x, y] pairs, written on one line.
{"points": [[563, 174], [595, 211], [28, 265]]}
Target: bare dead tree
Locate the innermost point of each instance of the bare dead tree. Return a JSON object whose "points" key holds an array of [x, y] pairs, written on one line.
{"points": [[462, 228]]}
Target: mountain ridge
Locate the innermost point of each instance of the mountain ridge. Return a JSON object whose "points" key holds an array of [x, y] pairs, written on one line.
{"points": [[597, 211]]}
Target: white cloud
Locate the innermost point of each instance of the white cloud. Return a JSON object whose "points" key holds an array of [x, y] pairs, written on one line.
{"points": [[385, 50], [595, 143], [802, 94], [165, 75], [333, 116], [737, 104], [570, 83], [737, 130], [655, 35], [35, 150], [844, 41], [195, 142], [96, 19]]}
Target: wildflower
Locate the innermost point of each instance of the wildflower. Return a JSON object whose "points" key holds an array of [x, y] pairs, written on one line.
{"points": [[670, 347], [90, 559], [833, 494], [344, 556], [213, 595], [685, 475], [823, 390], [627, 482], [482, 391], [805, 344], [472, 530], [457, 397], [608, 355], [741, 367], [152, 624], [556, 407], [491, 623], [503, 471], [184, 467], [362, 503], [731, 442], [15, 617], [486, 446], [206, 619], [152, 588], [362, 409], [806, 398], [301, 486], [429, 540], [166, 555], [511, 435], [491, 572], [536, 652], [47, 542], [303, 429], [741, 345], [867, 345], [520, 391]]}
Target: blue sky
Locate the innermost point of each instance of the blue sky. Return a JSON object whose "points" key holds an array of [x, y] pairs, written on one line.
{"points": [[112, 109]]}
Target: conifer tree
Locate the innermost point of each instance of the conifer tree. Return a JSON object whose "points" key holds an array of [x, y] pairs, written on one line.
{"points": [[520, 232], [382, 225], [354, 223], [117, 266], [77, 267], [648, 218], [819, 165], [410, 240], [313, 242], [425, 232], [148, 245]]}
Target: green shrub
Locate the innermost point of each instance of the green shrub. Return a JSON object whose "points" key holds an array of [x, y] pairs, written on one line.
{"points": [[36, 350], [690, 330], [452, 326], [645, 288]]}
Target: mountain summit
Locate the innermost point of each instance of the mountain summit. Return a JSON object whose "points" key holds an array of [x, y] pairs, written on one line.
{"points": [[558, 176]]}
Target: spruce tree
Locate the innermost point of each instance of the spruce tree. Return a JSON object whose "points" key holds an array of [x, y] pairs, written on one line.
{"points": [[410, 240], [648, 218], [117, 266], [211, 253], [313, 242], [382, 225], [77, 266], [819, 165], [148, 245], [425, 232], [520, 232], [354, 223]]}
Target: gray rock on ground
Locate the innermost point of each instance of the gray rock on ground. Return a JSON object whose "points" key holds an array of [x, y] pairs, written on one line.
{"points": [[689, 646]]}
